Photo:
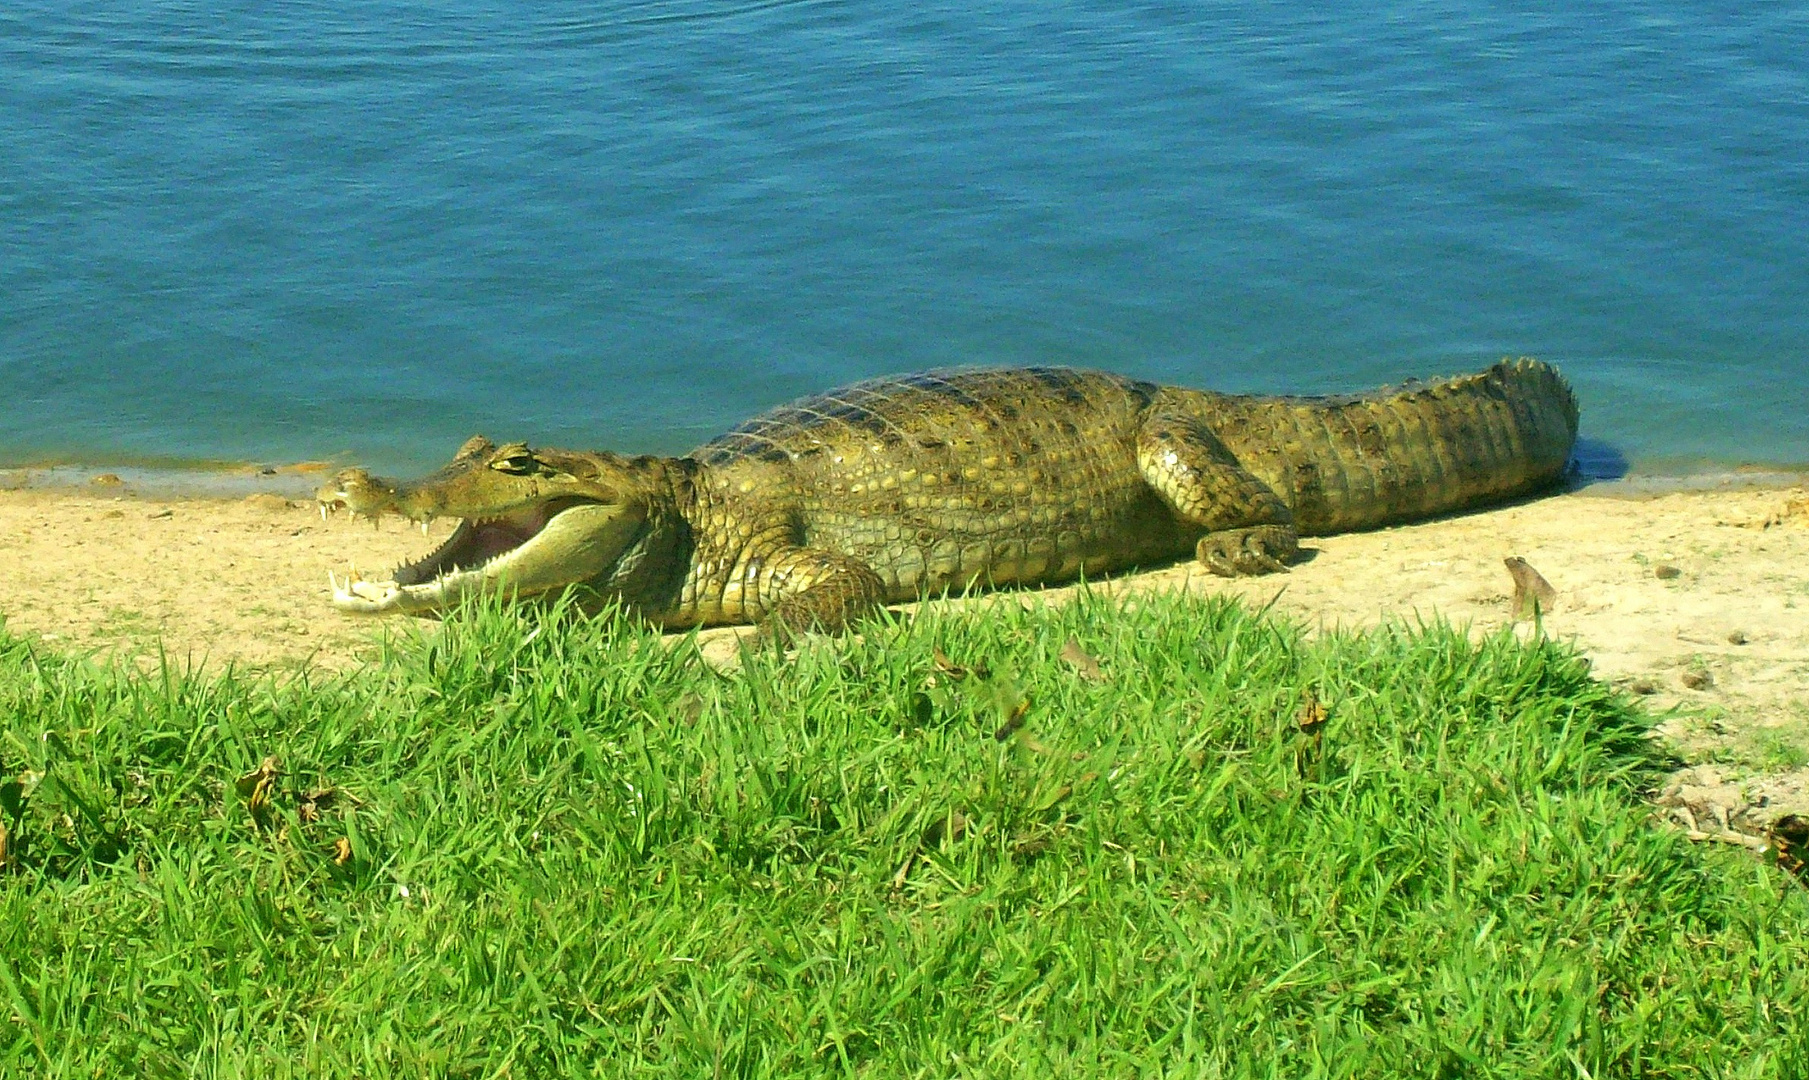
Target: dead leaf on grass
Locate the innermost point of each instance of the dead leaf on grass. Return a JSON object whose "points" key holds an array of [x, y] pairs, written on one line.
{"points": [[315, 803], [955, 672], [690, 708], [1029, 843], [257, 788], [1789, 837], [1060, 794], [904, 871], [1085, 665], [1013, 721], [1312, 715], [951, 826]]}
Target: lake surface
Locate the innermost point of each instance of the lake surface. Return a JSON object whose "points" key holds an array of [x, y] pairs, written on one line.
{"points": [[256, 232]]}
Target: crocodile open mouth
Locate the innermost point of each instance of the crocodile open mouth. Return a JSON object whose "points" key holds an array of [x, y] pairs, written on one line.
{"points": [[477, 542], [480, 553]]}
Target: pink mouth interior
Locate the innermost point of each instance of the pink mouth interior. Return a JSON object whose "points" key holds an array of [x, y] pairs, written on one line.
{"points": [[475, 543]]}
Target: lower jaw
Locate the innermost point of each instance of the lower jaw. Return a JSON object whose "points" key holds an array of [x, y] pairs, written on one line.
{"points": [[390, 597]]}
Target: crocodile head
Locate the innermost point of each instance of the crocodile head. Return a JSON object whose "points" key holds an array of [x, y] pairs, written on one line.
{"points": [[532, 522]]}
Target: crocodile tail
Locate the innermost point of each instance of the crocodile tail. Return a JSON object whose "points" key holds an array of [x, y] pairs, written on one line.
{"points": [[1408, 452]]}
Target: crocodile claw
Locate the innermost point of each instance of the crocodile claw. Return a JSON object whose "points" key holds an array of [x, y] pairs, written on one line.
{"points": [[1259, 549]]}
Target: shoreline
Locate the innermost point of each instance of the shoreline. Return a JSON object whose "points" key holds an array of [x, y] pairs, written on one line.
{"points": [[297, 480], [202, 480]]}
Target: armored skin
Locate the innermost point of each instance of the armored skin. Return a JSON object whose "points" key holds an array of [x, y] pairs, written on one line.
{"points": [[817, 512]]}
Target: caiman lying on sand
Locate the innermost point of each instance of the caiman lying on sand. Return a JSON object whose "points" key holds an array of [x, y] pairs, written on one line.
{"points": [[817, 512]]}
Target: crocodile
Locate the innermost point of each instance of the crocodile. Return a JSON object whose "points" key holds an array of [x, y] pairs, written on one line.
{"points": [[816, 513]]}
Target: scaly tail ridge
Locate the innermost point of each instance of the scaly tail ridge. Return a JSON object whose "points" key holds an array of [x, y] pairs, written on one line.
{"points": [[1396, 455]]}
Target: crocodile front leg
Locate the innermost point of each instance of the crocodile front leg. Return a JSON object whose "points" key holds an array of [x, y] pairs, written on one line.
{"points": [[1249, 530], [811, 589]]}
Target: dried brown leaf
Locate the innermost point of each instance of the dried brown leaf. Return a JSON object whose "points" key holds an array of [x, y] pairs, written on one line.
{"points": [[1789, 837], [316, 803], [1084, 664], [1029, 843], [1312, 715], [1014, 721], [946, 666], [951, 826], [1532, 593], [904, 871], [257, 788], [1061, 794]]}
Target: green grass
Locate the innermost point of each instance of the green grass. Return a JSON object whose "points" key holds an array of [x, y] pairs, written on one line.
{"points": [[577, 852]]}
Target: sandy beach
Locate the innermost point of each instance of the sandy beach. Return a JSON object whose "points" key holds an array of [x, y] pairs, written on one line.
{"points": [[1696, 600]]}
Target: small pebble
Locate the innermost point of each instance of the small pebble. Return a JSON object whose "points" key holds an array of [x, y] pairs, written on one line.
{"points": [[1666, 572], [107, 479], [1642, 687], [1698, 680], [1736, 637]]}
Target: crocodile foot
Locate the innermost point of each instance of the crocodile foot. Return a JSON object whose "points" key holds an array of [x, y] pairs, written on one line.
{"points": [[1258, 549]]}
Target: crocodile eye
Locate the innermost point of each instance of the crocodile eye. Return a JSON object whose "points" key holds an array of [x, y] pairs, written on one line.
{"points": [[516, 464]]}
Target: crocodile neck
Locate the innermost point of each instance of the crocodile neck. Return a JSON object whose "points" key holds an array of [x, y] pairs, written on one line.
{"points": [[650, 576]]}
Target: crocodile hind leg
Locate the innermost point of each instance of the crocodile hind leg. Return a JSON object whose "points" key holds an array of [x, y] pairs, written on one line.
{"points": [[1249, 530], [810, 589]]}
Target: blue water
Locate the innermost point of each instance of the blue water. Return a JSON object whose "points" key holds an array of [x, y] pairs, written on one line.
{"points": [[261, 232]]}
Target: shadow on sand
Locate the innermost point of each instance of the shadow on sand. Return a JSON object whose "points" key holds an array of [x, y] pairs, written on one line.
{"points": [[1593, 461]]}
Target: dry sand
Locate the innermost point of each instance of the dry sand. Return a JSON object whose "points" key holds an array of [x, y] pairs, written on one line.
{"points": [[1697, 600]]}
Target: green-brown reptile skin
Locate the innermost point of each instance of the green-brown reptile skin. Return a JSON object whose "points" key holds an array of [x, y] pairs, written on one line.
{"points": [[816, 512]]}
